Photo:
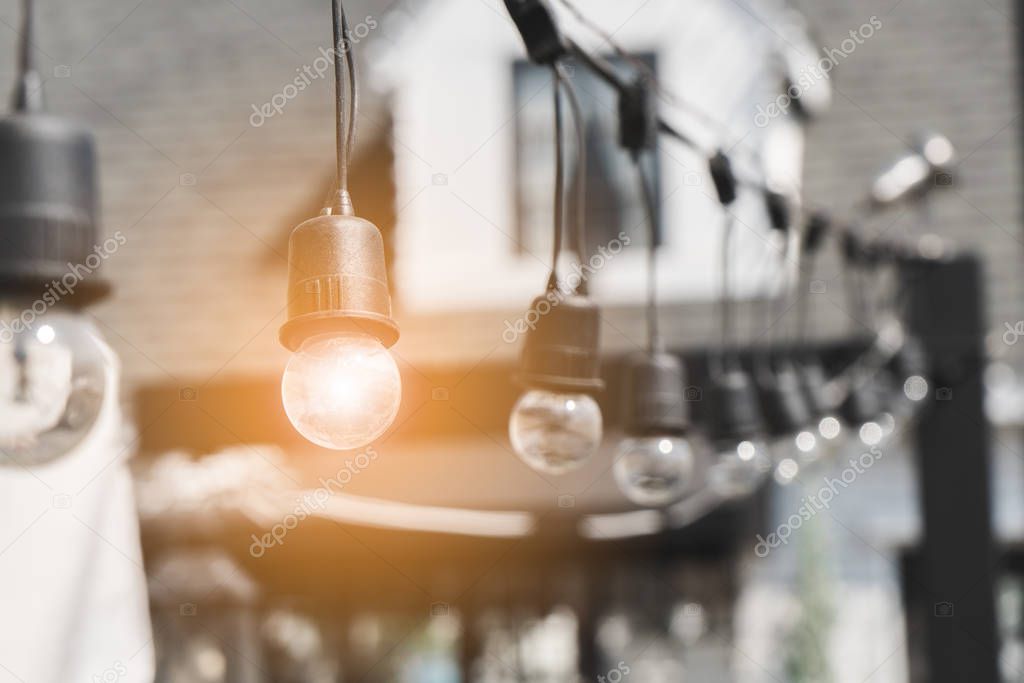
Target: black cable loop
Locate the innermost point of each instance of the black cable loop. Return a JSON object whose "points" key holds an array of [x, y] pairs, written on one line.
{"points": [[559, 212], [654, 341], [28, 86], [580, 185]]}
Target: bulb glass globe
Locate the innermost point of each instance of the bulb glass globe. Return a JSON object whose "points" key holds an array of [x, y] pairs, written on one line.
{"points": [[341, 391], [739, 468], [555, 433], [915, 388], [786, 471], [871, 433], [654, 471], [805, 447], [54, 374]]}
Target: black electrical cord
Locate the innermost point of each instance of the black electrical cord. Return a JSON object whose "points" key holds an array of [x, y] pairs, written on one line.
{"points": [[344, 124], [654, 343], [580, 184], [28, 89], [25, 61], [726, 302], [559, 216]]}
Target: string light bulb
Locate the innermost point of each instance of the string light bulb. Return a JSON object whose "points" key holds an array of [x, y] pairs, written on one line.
{"points": [[656, 462], [342, 388], [556, 425], [742, 456], [795, 444]]}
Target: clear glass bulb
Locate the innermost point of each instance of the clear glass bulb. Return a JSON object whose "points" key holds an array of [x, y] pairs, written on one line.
{"points": [[341, 391], [654, 471], [795, 452], [739, 468], [828, 432], [876, 432], [555, 433], [53, 380]]}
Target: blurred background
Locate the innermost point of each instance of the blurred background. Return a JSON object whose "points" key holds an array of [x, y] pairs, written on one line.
{"points": [[437, 555]]}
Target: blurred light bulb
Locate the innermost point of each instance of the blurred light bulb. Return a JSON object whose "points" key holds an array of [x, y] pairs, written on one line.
{"points": [[871, 433], [555, 433], [654, 471], [830, 428], [803, 448], [341, 391], [786, 471], [53, 380], [739, 468], [915, 388]]}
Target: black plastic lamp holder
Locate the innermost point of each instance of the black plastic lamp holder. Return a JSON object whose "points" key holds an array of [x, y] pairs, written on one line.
{"points": [[48, 195], [337, 281], [813, 382], [783, 402], [862, 404], [654, 395], [779, 210], [723, 178], [562, 352], [735, 414], [817, 229], [638, 116]]}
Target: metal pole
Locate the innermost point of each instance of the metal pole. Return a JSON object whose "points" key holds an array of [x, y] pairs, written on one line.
{"points": [[954, 574]]}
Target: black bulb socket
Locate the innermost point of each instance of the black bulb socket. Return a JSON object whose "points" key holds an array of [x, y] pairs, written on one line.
{"points": [[337, 281], [779, 211], [561, 352], [49, 201], [862, 404], [734, 412], [783, 402], [813, 381], [654, 395]]}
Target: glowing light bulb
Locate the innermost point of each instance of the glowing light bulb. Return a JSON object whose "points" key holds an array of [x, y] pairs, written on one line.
{"points": [[555, 433], [739, 468], [341, 391], [654, 471]]}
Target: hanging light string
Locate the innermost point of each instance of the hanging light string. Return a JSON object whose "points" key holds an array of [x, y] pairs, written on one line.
{"points": [[345, 123], [644, 68], [654, 342], [559, 215], [580, 181]]}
